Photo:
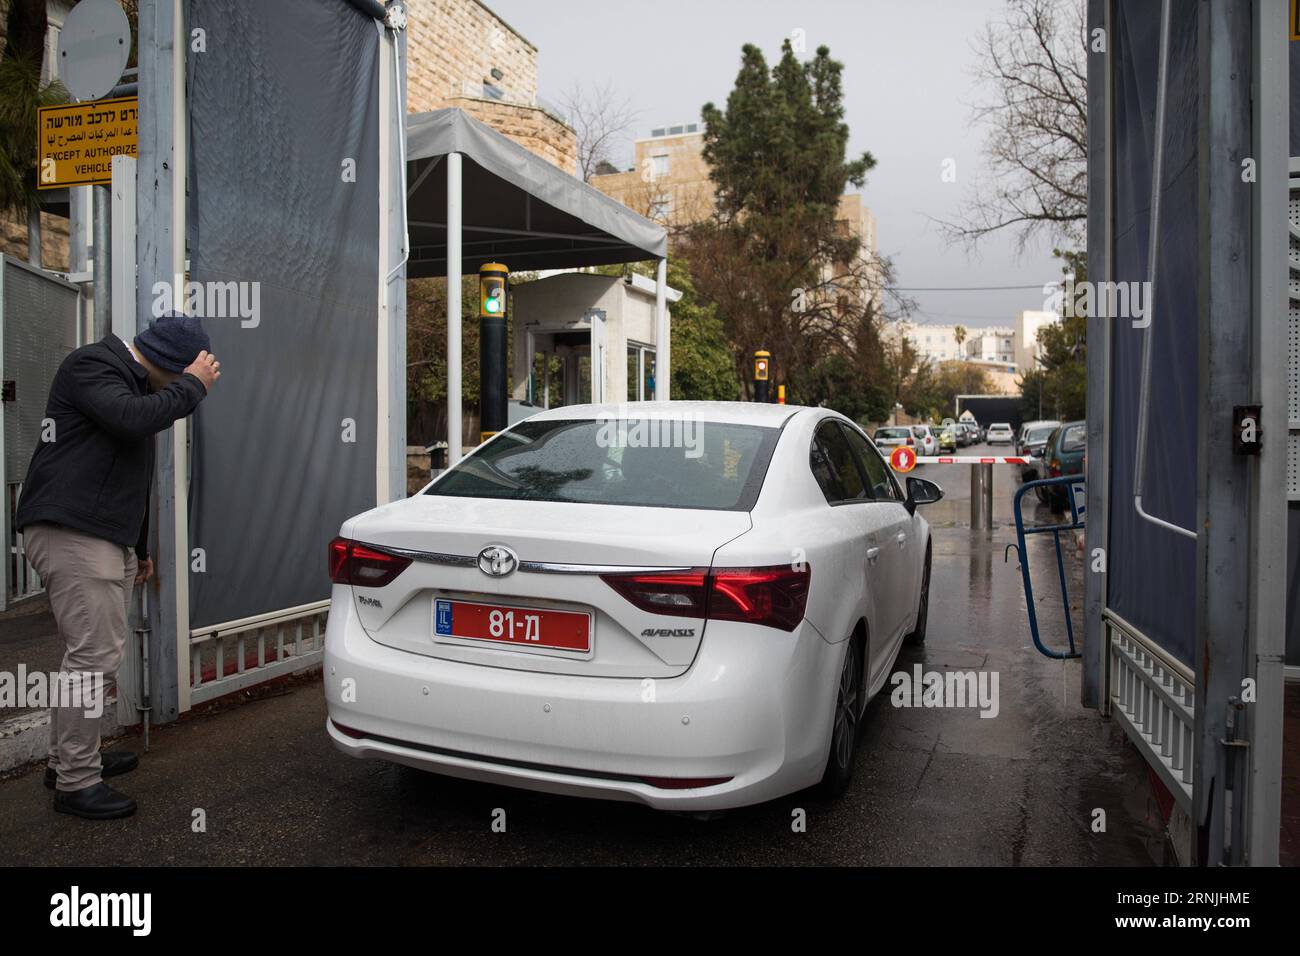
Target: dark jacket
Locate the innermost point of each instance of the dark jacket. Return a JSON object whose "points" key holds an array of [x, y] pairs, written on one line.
{"points": [[95, 474]]}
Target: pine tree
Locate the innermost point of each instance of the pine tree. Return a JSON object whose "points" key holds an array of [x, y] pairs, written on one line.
{"points": [[773, 257]]}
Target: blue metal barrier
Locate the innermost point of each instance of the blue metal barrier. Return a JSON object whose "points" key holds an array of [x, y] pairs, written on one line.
{"points": [[1076, 521]]}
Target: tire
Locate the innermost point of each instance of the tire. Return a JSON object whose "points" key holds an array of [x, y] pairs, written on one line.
{"points": [[923, 605], [844, 726]]}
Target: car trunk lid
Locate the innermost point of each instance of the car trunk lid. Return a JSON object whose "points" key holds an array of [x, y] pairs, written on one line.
{"points": [[561, 549]]}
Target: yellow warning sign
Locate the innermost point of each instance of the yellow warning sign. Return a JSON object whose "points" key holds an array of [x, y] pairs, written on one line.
{"points": [[77, 142]]}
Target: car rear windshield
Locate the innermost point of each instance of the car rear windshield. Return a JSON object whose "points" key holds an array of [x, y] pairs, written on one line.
{"points": [[662, 463], [1075, 437], [1039, 434], [918, 431], [891, 433]]}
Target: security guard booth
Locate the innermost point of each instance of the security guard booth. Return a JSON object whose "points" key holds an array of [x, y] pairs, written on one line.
{"points": [[581, 338]]}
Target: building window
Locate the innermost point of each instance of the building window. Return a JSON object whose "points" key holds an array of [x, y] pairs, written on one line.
{"points": [[659, 165], [661, 208]]}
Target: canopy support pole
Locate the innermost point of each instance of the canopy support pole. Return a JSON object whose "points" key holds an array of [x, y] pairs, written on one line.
{"points": [[663, 344], [454, 425]]}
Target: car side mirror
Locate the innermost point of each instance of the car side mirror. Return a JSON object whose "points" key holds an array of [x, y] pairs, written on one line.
{"points": [[921, 491]]}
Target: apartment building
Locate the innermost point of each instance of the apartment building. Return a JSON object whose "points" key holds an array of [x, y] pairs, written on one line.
{"points": [[1014, 346], [991, 345], [1026, 339], [669, 182]]}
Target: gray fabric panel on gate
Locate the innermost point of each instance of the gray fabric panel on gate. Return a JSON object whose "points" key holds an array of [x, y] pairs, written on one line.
{"points": [[549, 218], [285, 94], [1293, 512], [1295, 97], [1151, 577]]}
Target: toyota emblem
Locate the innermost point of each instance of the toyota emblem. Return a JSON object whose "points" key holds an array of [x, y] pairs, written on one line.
{"points": [[497, 561]]}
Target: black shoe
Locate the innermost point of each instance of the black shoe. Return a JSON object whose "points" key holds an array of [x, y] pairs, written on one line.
{"points": [[114, 762], [100, 802]]}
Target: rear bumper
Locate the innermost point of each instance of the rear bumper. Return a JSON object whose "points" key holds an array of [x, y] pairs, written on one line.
{"points": [[754, 708]]}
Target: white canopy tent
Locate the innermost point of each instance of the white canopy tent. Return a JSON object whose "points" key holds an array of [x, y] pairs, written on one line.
{"points": [[496, 201]]}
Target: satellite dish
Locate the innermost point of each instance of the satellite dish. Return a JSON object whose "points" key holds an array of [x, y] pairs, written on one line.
{"points": [[94, 45]]}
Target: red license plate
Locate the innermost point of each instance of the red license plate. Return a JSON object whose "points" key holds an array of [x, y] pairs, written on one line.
{"points": [[520, 626]]}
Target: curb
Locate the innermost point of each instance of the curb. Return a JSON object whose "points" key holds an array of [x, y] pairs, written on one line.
{"points": [[25, 739]]}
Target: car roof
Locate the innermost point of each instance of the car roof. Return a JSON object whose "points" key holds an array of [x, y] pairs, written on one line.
{"points": [[730, 413], [1000, 425]]}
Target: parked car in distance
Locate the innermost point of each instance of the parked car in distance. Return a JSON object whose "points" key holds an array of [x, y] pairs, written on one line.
{"points": [[1063, 455], [1025, 428], [891, 436], [1000, 432], [1031, 441], [927, 442], [969, 434], [502, 623], [948, 438]]}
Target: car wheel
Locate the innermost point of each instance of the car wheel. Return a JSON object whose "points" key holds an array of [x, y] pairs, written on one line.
{"points": [[844, 729], [923, 607]]}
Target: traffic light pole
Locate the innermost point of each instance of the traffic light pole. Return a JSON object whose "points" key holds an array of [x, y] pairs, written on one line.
{"points": [[762, 374], [493, 280]]}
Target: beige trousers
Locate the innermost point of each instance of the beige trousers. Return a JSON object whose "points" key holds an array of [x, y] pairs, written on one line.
{"points": [[89, 583]]}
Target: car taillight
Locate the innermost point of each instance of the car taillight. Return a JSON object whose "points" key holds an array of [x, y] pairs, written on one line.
{"points": [[772, 596], [362, 567], [680, 593], [1054, 466], [909, 440]]}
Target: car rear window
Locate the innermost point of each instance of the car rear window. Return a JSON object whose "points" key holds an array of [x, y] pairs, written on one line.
{"points": [[1075, 437], [918, 432], [662, 463], [1039, 434], [891, 433]]}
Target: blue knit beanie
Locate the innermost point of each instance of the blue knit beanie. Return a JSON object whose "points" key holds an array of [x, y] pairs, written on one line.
{"points": [[173, 341]]}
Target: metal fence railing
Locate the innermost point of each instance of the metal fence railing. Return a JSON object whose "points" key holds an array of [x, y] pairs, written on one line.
{"points": [[228, 657], [1153, 698]]}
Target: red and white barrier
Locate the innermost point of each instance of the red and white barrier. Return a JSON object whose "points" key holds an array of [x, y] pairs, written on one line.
{"points": [[972, 460], [903, 459]]}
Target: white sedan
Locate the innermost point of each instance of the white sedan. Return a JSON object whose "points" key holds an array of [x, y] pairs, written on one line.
{"points": [[683, 604]]}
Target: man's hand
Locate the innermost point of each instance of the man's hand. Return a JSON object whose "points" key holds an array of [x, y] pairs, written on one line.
{"points": [[144, 571], [206, 369]]}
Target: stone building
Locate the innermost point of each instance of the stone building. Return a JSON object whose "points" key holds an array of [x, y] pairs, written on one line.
{"points": [[460, 54]]}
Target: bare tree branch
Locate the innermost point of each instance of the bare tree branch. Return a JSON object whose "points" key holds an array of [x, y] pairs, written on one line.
{"points": [[600, 118], [1033, 66]]}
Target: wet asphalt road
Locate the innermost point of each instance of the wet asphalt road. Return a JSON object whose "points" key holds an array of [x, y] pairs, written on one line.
{"points": [[932, 786]]}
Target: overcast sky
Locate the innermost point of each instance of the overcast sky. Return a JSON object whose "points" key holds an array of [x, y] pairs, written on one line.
{"points": [[908, 92]]}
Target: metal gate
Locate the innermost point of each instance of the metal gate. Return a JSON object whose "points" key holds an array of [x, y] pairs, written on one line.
{"points": [[38, 328]]}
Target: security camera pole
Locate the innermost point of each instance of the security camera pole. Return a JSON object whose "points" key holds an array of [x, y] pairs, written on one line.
{"points": [[493, 299]]}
